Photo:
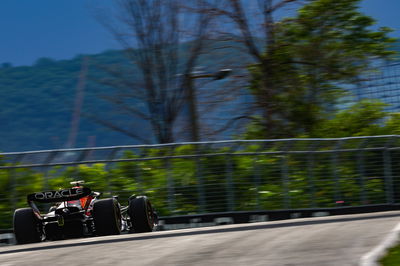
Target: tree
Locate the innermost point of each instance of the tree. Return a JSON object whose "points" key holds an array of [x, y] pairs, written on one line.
{"points": [[365, 118], [304, 63], [332, 44], [253, 25], [6, 65], [152, 33]]}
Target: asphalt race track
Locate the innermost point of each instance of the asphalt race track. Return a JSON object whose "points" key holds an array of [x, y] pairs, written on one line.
{"points": [[334, 240]]}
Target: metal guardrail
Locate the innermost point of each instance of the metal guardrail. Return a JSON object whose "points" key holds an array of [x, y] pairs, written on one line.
{"points": [[217, 177], [271, 215]]}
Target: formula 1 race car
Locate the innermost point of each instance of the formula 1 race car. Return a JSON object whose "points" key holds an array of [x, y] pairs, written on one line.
{"points": [[77, 212]]}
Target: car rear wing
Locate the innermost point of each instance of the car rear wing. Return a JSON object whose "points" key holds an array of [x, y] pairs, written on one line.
{"points": [[59, 195], [56, 196]]}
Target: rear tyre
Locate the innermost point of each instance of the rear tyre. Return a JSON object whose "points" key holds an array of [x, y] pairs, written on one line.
{"points": [[107, 217], [142, 215], [26, 226]]}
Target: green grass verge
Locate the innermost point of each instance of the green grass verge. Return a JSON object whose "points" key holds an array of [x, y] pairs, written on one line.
{"points": [[392, 258]]}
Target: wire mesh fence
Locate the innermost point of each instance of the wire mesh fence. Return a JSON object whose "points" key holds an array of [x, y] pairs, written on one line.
{"points": [[382, 84], [206, 177]]}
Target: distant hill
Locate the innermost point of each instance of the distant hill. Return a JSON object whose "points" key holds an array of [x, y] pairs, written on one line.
{"points": [[37, 102]]}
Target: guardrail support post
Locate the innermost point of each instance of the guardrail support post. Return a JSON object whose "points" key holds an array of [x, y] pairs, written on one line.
{"points": [[138, 178], [285, 175], [310, 172], [285, 181], [336, 178], [13, 184], [257, 181], [229, 183], [387, 161], [171, 187], [13, 178], [361, 172], [200, 186]]}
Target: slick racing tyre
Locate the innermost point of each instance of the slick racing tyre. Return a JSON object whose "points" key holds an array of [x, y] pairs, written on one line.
{"points": [[142, 215], [26, 226], [107, 217]]}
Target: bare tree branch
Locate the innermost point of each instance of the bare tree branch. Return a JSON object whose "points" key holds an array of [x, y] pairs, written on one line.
{"points": [[152, 33], [115, 127]]}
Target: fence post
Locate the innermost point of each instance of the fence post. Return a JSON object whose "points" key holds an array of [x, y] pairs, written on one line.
{"points": [[257, 179], [361, 170], [229, 182], [200, 184], [285, 175], [13, 184], [170, 187], [310, 171], [138, 178], [108, 168], [13, 196], [336, 178], [387, 162], [48, 160]]}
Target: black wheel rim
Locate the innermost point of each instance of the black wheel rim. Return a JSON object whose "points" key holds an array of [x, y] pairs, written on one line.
{"points": [[150, 214]]}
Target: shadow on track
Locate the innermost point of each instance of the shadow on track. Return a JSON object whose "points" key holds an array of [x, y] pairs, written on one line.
{"points": [[216, 229]]}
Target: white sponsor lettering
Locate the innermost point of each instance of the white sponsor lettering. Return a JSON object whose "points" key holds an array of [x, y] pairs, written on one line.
{"points": [[39, 196], [65, 193], [58, 194]]}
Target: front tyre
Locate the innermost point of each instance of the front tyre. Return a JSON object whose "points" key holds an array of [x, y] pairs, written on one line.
{"points": [[26, 226], [107, 217], [141, 214]]}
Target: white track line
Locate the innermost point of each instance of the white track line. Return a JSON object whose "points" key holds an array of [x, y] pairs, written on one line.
{"points": [[371, 258]]}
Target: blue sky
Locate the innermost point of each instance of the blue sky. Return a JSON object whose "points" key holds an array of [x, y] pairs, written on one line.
{"points": [[61, 29]]}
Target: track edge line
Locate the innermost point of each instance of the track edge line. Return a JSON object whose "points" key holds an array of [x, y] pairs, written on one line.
{"points": [[371, 258]]}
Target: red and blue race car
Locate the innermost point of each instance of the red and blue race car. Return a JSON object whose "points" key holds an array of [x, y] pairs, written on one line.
{"points": [[78, 212]]}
